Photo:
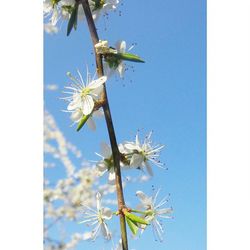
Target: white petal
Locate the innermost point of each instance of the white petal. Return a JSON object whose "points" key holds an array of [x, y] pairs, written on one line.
{"points": [[96, 92], [130, 146], [106, 150], [164, 211], [97, 83], [55, 17], [98, 201], [149, 169], [121, 46], [143, 197], [76, 115], [98, 113], [101, 166], [107, 213], [105, 232], [121, 69], [87, 105], [91, 124], [136, 160], [111, 178]]}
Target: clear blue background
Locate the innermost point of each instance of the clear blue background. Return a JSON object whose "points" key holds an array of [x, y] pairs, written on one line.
{"points": [[167, 94]]}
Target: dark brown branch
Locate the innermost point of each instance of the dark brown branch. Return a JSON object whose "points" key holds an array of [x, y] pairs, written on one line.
{"points": [[109, 122]]}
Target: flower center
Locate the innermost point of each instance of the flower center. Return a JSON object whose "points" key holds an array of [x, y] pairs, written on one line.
{"points": [[99, 217], [109, 162], [85, 92]]}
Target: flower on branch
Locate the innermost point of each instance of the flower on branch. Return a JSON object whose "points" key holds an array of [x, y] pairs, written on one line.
{"points": [[99, 7], [142, 153], [97, 218], [83, 96], [154, 211], [114, 57], [107, 162], [54, 10]]}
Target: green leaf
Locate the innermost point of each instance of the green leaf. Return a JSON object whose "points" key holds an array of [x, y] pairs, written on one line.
{"points": [[133, 227], [129, 57], [73, 19], [136, 219], [82, 122]]}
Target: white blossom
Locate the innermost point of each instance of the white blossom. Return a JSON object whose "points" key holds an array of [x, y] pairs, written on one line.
{"points": [[112, 64], [99, 7], [154, 210], [107, 162], [83, 95], [142, 153], [97, 218]]}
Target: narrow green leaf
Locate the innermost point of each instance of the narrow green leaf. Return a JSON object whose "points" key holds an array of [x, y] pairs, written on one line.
{"points": [[136, 218], [82, 122], [73, 19], [133, 227], [129, 57]]}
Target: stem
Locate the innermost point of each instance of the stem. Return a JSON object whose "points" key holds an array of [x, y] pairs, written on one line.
{"points": [[109, 122]]}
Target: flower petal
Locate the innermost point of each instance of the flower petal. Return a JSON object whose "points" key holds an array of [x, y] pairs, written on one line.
{"points": [[91, 124], [76, 115], [143, 197], [121, 46], [106, 150], [136, 160], [105, 231], [107, 213], [149, 168], [111, 178], [97, 83], [87, 104], [98, 201]]}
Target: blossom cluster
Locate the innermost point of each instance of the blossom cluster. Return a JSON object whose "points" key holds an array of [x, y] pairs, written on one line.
{"points": [[56, 10], [134, 155]]}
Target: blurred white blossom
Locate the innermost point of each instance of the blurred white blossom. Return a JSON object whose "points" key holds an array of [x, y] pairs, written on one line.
{"points": [[102, 7], [97, 218], [154, 211]]}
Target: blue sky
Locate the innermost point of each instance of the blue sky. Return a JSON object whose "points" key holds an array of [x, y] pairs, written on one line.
{"points": [[167, 94]]}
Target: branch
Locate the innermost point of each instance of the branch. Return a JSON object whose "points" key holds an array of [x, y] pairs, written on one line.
{"points": [[109, 122]]}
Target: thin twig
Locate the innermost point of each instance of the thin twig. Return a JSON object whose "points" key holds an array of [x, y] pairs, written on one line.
{"points": [[109, 122]]}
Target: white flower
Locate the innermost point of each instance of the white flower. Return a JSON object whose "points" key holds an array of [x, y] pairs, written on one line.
{"points": [[97, 218], [107, 162], [154, 211], [102, 6], [144, 153], [54, 10], [118, 65], [82, 96]]}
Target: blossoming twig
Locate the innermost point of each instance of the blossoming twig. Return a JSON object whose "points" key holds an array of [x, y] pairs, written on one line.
{"points": [[109, 122]]}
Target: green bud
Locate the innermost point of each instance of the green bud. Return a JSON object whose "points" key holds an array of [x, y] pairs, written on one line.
{"points": [[136, 218], [129, 57], [133, 227], [82, 122]]}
